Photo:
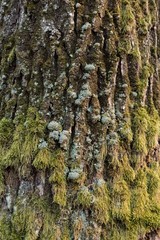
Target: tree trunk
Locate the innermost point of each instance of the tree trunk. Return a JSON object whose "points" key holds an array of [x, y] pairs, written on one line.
{"points": [[80, 126]]}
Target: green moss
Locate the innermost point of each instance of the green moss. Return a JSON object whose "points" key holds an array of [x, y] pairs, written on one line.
{"points": [[135, 208], [124, 46], [121, 201], [146, 128], [25, 151], [33, 218], [49, 230], [6, 138], [34, 131], [153, 181], [6, 132], [127, 17], [24, 143], [101, 203], [153, 131], [11, 56], [8, 54], [55, 162], [125, 132], [65, 232], [118, 233], [12, 156], [146, 72], [140, 198], [18, 221], [140, 126], [5, 228], [60, 194], [42, 159], [84, 198], [126, 170], [143, 17], [58, 178], [33, 226]]}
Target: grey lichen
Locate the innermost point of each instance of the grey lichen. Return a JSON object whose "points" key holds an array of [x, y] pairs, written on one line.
{"points": [[89, 67], [53, 125], [42, 144], [64, 139], [54, 135], [75, 173], [84, 94], [86, 26]]}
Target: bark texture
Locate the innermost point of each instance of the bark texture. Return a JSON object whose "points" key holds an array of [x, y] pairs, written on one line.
{"points": [[80, 126]]}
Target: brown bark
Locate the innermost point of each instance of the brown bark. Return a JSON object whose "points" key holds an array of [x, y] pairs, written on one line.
{"points": [[79, 129]]}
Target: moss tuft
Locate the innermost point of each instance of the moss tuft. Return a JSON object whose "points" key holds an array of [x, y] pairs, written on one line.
{"points": [[6, 132], [43, 159], [84, 198], [101, 203], [140, 198], [58, 178], [140, 126], [127, 17], [121, 201], [146, 128]]}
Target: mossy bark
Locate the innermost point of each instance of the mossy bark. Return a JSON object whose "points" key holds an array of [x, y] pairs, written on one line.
{"points": [[80, 119]]}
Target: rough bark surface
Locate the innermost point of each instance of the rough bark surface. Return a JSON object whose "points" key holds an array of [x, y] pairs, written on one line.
{"points": [[80, 127]]}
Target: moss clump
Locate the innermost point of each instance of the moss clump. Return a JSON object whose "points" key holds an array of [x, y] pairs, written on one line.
{"points": [[6, 138], [153, 130], [96, 199], [101, 203], [43, 159], [125, 132], [135, 211], [127, 17], [140, 126], [33, 219], [119, 233], [145, 125], [49, 230], [140, 198], [25, 140], [127, 171], [58, 178], [146, 72], [153, 181], [5, 228], [34, 128], [65, 233], [6, 132], [23, 151], [84, 198], [60, 194], [12, 156], [121, 201]]}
